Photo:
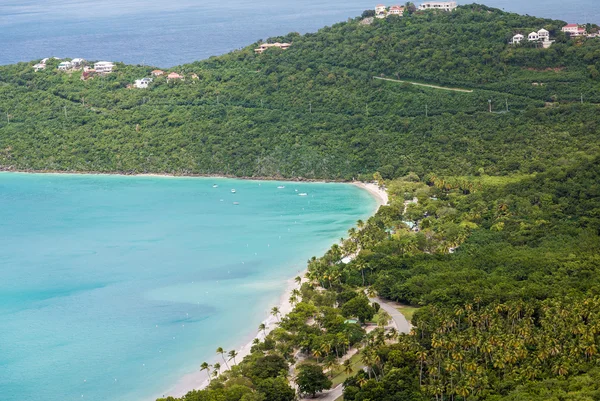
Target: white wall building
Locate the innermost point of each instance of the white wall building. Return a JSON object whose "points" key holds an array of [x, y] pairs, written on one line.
{"points": [[438, 5], [39, 67], [544, 35], [77, 62], [574, 30], [142, 83], [518, 38], [65, 65], [104, 67], [396, 10], [533, 36], [380, 9]]}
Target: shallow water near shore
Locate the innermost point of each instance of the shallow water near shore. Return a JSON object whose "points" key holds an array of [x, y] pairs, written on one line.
{"points": [[113, 288]]}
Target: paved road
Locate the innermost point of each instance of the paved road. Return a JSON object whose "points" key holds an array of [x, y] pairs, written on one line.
{"points": [[400, 321]]}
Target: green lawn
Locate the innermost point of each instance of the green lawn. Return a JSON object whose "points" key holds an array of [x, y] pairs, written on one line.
{"points": [[408, 312], [340, 375]]}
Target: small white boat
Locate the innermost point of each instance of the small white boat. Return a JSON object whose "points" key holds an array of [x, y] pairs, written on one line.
{"points": [[215, 186], [281, 187], [236, 203], [303, 194], [233, 191]]}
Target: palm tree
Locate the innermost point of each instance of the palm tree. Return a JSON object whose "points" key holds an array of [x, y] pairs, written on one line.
{"points": [[347, 366], [275, 312], [232, 354], [206, 366], [298, 280], [256, 341], [221, 351], [217, 367], [262, 327]]}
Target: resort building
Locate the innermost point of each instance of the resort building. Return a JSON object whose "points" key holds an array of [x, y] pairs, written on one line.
{"points": [[39, 67], [518, 38], [265, 46], [77, 62], [533, 36], [104, 67], [574, 30], [65, 66], [158, 73], [438, 5], [396, 10], [142, 83], [380, 11]]}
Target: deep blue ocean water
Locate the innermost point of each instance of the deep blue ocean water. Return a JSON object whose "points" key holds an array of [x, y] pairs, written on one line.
{"points": [[167, 33], [113, 288]]}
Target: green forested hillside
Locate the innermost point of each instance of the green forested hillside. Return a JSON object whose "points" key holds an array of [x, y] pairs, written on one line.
{"points": [[315, 111]]}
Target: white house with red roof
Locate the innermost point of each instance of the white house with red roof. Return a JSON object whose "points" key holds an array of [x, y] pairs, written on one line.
{"points": [[574, 30]]}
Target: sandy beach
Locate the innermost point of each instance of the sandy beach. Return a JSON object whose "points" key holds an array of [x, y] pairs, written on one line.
{"points": [[198, 380]]}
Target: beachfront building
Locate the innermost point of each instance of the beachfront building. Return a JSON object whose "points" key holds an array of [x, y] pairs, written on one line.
{"points": [[396, 10], [158, 73], [438, 5], [65, 66], [574, 30], [77, 62], [533, 37], [380, 11], [265, 46], [518, 38], [142, 83], [104, 67]]}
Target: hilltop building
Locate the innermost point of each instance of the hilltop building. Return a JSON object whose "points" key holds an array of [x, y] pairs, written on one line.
{"points": [[265, 46], [533, 36], [158, 73], [65, 66], [39, 67], [104, 67], [78, 62], [174, 75], [574, 30], [438, 5], [380, 11], [396, 10]]}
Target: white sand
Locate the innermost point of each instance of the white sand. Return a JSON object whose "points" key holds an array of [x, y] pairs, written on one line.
{"points": [[198, 380]]}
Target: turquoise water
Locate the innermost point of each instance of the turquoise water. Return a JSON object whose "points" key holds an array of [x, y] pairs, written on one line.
{"points": [[113, 288]]}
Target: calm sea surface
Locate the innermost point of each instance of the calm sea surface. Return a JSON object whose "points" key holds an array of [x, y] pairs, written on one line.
{"points": [[113, 288], [167, 33]]}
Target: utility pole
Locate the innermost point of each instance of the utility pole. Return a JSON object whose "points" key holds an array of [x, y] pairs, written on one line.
{"points": [[310, 107], [507, 105], [367, 108], [490, 103], [8, 117], [217, 99], [426, 111], [582, 98], [65, 109], [261, 103]]}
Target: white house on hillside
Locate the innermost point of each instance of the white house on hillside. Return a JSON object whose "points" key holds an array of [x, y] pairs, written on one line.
{"points": [[380, 11], [65, 65], [544, 35], [104, 67], [77, 62], [39, 67], [518, 38], [574, 30], [438, 5], [142, 83], [533, 36]]}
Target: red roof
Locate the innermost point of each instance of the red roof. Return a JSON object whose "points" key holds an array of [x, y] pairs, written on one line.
{"points": [[571, 26]]}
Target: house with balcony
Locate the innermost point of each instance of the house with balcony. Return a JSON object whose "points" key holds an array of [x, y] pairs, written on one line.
{"points": [[104, 67], [438, 5], [380, 11], [396, 10], [533, 37], [518, 38], [574, 30], [77, 63], [65, 66]]}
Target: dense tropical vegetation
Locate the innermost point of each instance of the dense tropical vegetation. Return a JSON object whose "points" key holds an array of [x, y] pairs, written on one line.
{"points": [[492, 230]]}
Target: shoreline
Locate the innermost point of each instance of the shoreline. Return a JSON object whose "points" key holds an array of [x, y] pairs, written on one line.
{"points": [[198, 380]]}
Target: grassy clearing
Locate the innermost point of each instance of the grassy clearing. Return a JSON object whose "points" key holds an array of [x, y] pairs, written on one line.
{"points": [[340, 375], [408, 312]]}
